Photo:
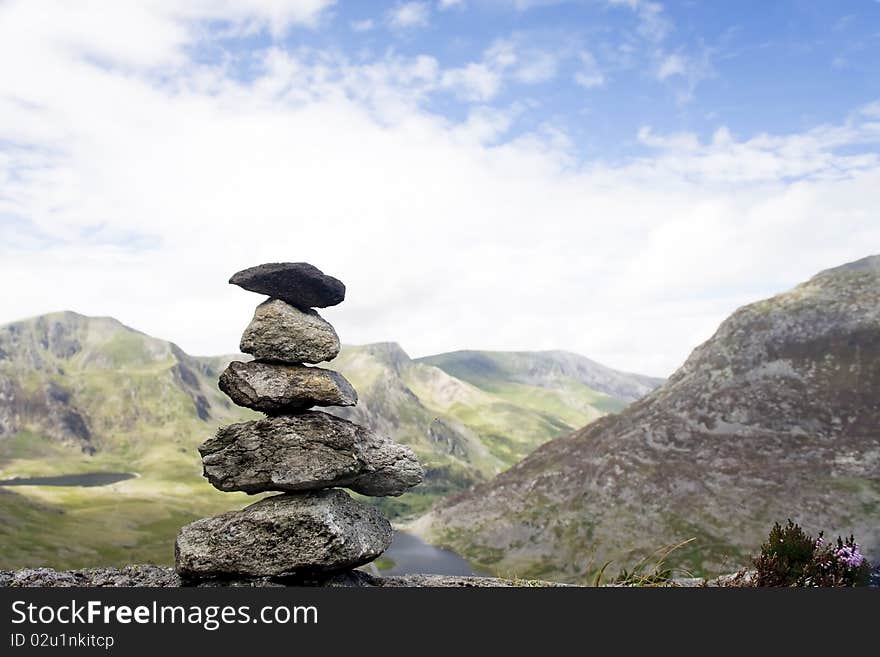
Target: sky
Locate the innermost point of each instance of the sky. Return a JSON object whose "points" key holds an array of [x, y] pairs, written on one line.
{"points": [[609, 177]]}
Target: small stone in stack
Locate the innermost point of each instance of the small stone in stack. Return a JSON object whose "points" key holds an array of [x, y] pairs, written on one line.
{"points": [[280, 388], [283, 333], [312, 527], [305, 452]]}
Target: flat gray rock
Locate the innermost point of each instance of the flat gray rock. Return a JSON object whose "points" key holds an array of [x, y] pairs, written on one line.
{"points": [[280, 388], [310, 451], [284, 535], [298, 283], [280, 332]]}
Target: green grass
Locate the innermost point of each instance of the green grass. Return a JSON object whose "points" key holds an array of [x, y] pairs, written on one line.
{"points": [[131, 521], [135, 521], [407, 506], [384, 563], [127, 349], [570, 401]]}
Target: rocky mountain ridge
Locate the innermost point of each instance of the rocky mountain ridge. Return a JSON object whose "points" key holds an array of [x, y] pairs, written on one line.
{"points": [[776, 416], [545, 369], [62, 375]]}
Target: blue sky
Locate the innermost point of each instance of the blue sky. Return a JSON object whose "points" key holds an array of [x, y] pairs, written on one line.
{"points": [[778, 67], [611, 177]]}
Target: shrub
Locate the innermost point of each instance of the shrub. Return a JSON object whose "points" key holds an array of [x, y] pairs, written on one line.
{"points": [[791, 557]]}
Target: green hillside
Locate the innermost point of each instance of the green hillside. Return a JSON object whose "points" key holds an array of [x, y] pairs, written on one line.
{"points": [[80, 394], [465, 425]]}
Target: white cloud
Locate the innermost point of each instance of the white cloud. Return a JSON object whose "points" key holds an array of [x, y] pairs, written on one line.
{"points": [[654, 25], [410, 15], [136, 195], [474, 82], [674, 64], [137, 34], [652, 22], [682, 141], [481, 81], [504, 59], [764, 159], [484, 125], [501, 54], [278, 15], [871, 110], [687, 71], [442, 5], [539, 66], [589, 76], [364, 25]]}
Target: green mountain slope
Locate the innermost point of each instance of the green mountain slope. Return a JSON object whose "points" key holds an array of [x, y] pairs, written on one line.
{"points": [[776, 416], [81, 394], [468, 423]]}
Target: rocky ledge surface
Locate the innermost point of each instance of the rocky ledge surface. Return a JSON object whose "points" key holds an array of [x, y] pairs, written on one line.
{"points": [[158, 576]]}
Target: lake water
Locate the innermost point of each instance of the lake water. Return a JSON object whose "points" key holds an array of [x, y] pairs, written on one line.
{"points": [[411, 555], [87, 479]]}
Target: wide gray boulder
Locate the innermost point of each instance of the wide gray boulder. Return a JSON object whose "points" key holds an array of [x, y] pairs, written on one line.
{"points": [[281, 332], [298, 283], [291, 534], [281, 388], [308, 452]]}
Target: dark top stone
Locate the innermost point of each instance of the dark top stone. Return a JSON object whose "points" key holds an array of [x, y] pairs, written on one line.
{"points": [[298, 283]]}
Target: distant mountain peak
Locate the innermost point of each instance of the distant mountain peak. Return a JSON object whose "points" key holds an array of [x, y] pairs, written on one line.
{"points": [[389, 353], [543, 369], [868, 264], [65, 375]]}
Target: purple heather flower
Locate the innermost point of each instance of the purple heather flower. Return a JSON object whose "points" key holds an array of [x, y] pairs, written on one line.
{"points": [[850, 555]]}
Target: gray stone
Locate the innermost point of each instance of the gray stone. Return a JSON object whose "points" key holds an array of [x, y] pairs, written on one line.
{"points": [[298, 283], [284, 535], [308, 452], [281, 388], [280, 332]]}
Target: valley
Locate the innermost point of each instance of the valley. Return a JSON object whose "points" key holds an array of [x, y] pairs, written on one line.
{"points": [[82, 395]]}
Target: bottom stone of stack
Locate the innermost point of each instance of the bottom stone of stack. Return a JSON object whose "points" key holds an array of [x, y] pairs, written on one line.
{"points": [[284, 535]]}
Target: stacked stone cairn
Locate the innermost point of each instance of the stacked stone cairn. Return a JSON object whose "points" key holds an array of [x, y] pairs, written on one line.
{"points": [[313, 528]]}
